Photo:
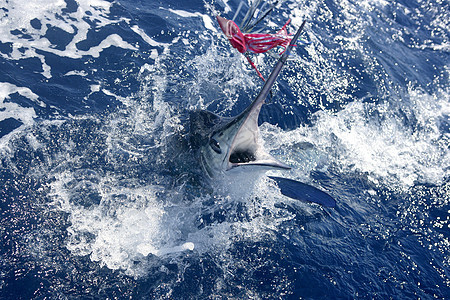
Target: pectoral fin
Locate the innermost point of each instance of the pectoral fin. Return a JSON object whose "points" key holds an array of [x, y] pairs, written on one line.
{"points": [[304, 192]]}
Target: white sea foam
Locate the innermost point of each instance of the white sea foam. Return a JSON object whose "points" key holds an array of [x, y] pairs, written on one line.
{"points": [[17, 16], [128, 224], [8, 109], [185, 14], [76, 73], [7, 89], [150, 41], [390, 152]]}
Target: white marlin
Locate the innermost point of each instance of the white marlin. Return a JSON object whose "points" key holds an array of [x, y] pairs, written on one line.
{"points": [[225, 144]]}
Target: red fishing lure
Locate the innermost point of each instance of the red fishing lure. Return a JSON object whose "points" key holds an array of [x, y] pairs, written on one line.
{"points": [[253, 42]]}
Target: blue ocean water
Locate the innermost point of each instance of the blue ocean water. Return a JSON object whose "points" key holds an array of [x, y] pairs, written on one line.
{"points": [[101, 198]]}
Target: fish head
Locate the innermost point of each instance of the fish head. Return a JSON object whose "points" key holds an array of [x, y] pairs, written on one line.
{"points": [[235, 144]]}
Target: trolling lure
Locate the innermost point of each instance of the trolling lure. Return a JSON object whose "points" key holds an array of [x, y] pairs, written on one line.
{"points": [[254, 42]]}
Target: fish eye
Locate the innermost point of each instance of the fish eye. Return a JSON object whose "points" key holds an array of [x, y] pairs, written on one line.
{"points": [[215, 146]]}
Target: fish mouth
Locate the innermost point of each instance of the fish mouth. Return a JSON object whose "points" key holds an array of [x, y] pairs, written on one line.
{"points": [[246, 147]]}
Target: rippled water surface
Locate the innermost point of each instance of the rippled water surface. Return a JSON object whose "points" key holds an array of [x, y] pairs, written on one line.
{"points": [[101, 195]]}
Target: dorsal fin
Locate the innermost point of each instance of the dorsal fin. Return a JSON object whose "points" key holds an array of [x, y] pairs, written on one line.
{"points": [[204, 118], [201, 123]]}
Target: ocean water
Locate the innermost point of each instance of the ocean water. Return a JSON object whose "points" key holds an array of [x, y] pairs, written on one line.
{"points": [[101, 197]]}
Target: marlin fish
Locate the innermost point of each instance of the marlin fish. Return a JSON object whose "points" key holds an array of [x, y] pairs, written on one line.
{"points": [[228, 144]]}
